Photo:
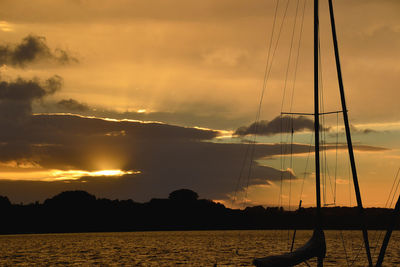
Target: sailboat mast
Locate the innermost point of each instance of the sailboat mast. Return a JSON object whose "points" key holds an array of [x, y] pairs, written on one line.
{"points": [[389, 231], [348, 135], [316, 122], [316, 113]]}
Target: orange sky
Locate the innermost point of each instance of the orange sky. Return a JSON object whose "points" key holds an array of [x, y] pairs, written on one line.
{"points": [[186, 64]]}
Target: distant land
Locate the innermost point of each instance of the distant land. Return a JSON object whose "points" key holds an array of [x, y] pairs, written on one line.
{"points": [[79, 211]]}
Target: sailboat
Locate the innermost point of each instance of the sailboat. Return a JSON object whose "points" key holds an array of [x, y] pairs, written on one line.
{"points": [[316, 246]]}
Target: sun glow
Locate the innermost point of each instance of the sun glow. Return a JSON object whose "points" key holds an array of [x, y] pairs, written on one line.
{"points": [[6, 27], [77, 174], [110, 173], [60, 175]]}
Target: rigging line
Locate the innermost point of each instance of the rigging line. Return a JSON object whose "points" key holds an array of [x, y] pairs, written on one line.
{"points": [[391, 202], [266, 78], [269, 65], [349, 182], [290, 180], [267, 72], [234, 199], [310, 114], [386, 205], [394, 193], [298, 55], [321, 109], [306, 167], [344, 248], [389, 231], [289, 58], [348, 136], [359, 249], [362, 244], [281, 127], [392, 198], [336, 156], [295, 230], [284, 94], [296, 60], [326, 175], [262, 92], [290, 176], [323, 131], [394, 182], [291, 165], [290, 55]]}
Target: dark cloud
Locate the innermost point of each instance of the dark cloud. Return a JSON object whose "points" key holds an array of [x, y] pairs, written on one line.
{"points": [[27, 90], [215, 118], [16, 96], [32, 49], [366, 148], [72, 105], [367, 131], [357, 130], [168, 157], [16, 99], [281, 124]]}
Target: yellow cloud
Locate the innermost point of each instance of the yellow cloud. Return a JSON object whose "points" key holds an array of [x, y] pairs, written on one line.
{"points": [[6, 27], [60, 175]]}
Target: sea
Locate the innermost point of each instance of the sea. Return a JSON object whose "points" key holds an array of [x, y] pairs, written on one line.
{"points": [[184, 248]]}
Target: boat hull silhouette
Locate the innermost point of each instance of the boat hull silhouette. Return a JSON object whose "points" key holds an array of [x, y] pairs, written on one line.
{"points": [[315, 247]]}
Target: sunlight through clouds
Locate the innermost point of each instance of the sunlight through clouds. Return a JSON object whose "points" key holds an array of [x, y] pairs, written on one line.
{"points": [[163, 90], [76, 174], [60, 175], [6, 27]]}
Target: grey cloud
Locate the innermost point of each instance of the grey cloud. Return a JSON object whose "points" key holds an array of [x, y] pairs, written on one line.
{"points": [[284, 124], [72, 105], [169, 157], [367, 131], [63, 141], [355, 129], [21, 89], [367, 148], [191, 115], [32, 49], [16, 97]]}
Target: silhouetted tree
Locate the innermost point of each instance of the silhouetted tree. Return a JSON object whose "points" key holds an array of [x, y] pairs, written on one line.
{"points": [[4, 202], [77, 199], [79, 211], [183, 195], [256, 210]]}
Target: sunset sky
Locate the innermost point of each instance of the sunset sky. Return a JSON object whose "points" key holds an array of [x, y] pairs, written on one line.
{"points": [[135, 99]]}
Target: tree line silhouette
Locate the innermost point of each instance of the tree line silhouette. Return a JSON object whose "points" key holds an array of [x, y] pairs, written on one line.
{"points": [[79, 211]]}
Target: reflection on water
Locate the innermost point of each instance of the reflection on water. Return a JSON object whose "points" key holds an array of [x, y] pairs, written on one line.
{"points": [[192, 248]]}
